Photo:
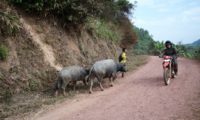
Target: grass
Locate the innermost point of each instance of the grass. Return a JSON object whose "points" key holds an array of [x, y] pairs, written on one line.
{"points": [[3, 52], [104, 29], [25, 103], [134, 61], [9, 23]]}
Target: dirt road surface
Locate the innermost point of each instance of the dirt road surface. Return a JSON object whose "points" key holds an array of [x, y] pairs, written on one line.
{"points": [[141, 95]]}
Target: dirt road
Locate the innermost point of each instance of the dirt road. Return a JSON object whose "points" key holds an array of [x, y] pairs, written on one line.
{"points": [[141, 95]]}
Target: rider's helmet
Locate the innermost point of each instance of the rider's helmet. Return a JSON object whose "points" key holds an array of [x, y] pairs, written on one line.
{"points": [[167, 43]]}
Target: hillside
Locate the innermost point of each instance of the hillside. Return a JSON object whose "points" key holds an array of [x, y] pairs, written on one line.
{"points": [[196, 43], [34, 46]]}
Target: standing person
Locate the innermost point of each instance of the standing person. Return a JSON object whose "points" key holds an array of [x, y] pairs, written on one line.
{"points": [[123, 58], [170, 51]]}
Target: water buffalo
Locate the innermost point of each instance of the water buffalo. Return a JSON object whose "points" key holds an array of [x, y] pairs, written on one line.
{"points": [[70, 74], [104, 69]]}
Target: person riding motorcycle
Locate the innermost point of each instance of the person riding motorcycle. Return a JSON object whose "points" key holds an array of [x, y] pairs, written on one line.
{"points": [[170, 51]]}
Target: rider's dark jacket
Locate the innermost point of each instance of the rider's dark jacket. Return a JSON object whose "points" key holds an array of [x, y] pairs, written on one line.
{"points": [[169, 52]]}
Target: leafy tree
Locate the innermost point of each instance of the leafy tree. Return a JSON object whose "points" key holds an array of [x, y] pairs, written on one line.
{"points": [[75, 11], [145, 43]]}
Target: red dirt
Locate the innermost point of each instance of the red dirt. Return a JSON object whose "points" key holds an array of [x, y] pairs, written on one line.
{"points": [[141, 95]]}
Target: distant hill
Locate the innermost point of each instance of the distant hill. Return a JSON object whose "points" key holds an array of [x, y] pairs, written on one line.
{"points": [[196, 43]]}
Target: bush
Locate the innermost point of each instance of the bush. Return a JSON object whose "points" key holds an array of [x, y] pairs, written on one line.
{"points": [[145, 43], [75, 11], [9, 24], [34, 85], [69, 11], [3, 52]]}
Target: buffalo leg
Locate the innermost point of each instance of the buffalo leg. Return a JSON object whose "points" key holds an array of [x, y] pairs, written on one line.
{"points": [[56, 93], [56, 89], [63, 88], [85, 83], [91, 85], [111, 81], [99, 80], [122, 74], [74, 85], [64, 93]]}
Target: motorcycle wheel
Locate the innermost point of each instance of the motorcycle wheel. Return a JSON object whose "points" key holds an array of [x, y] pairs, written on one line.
{"points": [[166, 76], [173, 74]]}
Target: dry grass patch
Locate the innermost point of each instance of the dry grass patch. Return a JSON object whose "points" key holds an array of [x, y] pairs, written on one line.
{"points": [[135, 61]]}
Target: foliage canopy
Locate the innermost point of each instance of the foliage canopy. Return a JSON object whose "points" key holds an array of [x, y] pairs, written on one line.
{"points": [[75, 11]]}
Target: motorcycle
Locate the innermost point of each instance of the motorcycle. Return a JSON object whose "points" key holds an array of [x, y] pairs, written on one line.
{"points": [[168, 69]]}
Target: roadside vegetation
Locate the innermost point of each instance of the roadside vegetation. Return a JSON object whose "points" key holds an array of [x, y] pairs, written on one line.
{"points": [[9, 23], [102, 29], [146, 45]]}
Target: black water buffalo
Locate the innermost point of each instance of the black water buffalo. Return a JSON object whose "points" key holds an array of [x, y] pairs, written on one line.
{"points": [[104, 69], [69, 75]]}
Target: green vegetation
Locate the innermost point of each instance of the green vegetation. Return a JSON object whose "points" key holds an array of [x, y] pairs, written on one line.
{"points": [[34, 85], [147, 45], [195, 43], [9, 23], [188, 51], [103, 29], [3, 52], [135, 61], [6, 96], [75, 11]]}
